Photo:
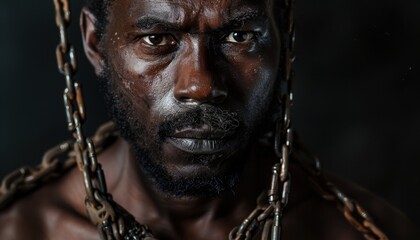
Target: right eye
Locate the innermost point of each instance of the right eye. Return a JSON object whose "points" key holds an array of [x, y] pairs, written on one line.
{"points": [[240, 37], [159, 40]]}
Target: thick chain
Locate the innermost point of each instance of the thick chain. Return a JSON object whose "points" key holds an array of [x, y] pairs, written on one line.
{"points": [[266, 218], [354, 213], [27, 178], [112, 221]]}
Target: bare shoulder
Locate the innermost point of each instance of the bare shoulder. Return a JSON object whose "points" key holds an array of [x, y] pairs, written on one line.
{"points": [[319, 217], [44, 214], [21, 220], [390, 220]]}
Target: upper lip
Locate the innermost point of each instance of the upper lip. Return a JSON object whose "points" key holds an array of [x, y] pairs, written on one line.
{"points": [[203, 131]]}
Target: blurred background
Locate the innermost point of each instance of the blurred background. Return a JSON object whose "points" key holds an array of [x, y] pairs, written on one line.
{"points": [[357, 90]]}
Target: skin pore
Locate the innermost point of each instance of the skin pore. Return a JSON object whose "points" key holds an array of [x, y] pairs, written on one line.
{"points": [[166, 67], [188, 84], [191, 86]]}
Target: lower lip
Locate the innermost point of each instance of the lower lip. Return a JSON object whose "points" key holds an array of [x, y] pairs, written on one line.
{"points": [[199, 146]]}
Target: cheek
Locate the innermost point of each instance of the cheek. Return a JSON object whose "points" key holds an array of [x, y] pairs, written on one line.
{"points": [[138, 81], [255, 80], [260, 96], [148, 85]]}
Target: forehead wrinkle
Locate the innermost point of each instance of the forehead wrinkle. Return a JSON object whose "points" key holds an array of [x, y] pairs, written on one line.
{"points": [[234, 10], [169, 10], [199, 16]]}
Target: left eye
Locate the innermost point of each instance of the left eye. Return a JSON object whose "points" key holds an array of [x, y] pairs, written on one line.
{"points": [[159, 40], [240, 37]]}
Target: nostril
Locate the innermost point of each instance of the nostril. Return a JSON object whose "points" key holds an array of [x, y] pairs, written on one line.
{"points": [[219, 96], [184, 99]]}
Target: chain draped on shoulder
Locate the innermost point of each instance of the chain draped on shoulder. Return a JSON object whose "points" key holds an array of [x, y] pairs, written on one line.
{"points": [[62, 158], [112, 220]]}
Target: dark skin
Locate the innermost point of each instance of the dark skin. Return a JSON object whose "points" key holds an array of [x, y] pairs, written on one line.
{"points": [[167, 68], [168, 58]]}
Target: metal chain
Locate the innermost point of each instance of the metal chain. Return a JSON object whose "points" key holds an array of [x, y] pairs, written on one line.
{"points": [[27, 178], [114, 222], [266, 218], [354, 213]]}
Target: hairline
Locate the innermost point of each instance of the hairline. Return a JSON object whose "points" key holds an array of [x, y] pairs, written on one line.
{"points": [[100, 9]]}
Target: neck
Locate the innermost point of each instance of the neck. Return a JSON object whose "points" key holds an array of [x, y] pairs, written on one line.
{"points": [[132, 190], [130, 187]]}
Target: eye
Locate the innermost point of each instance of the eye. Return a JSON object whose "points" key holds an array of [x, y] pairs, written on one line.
{"points": [[159, 40], [240, 37]]}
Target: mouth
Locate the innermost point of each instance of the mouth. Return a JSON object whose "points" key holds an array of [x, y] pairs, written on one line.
{"points": [[199, 146], [201, 140]]}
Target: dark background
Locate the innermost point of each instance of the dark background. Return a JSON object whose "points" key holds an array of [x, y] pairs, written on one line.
{"points": [[357, 90]]}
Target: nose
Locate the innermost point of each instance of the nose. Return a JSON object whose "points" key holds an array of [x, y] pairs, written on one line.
{"points": [[198, 80]]}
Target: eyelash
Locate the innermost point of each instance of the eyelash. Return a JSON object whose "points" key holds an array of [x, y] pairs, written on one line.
{"points": [[166, 43], [162, 37], [231, 37]]}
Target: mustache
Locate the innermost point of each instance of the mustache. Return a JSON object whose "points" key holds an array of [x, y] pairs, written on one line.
{"points": [[216, 118]]}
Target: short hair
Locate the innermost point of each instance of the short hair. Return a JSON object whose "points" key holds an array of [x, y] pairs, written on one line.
{"points": [[99, 8]]}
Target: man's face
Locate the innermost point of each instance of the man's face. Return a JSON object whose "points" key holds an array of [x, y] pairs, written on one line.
{"points": [[189, 83]]}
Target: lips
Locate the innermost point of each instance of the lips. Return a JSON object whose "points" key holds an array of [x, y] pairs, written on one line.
{"points": [[201, 139]]}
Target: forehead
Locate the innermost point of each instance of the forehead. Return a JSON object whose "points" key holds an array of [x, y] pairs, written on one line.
{"points": [[209, 12]]}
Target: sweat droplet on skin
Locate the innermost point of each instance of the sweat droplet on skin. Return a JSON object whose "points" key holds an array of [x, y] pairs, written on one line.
{"points": [[127, 84]]}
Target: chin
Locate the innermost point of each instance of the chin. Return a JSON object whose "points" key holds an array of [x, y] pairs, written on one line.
{"points": [[179, 173]]}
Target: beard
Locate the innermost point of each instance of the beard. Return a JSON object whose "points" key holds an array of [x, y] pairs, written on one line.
{"points": [[146, 144]]}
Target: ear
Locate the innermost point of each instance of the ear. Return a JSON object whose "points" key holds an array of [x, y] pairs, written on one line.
{"points": [[91, 41]]}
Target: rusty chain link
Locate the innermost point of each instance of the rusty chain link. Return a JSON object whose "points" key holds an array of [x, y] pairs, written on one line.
{"points": [[114, 222], [353, 212], [27, 178], [267, 217]]}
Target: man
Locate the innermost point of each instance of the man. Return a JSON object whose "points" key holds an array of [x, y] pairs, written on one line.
{"points": [[192, 87]]}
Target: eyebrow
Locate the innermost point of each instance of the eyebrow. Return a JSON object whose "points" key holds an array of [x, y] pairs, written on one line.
{"points": [[242, 18], [147, 22]]}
